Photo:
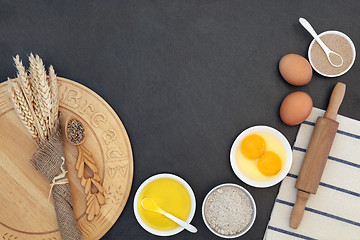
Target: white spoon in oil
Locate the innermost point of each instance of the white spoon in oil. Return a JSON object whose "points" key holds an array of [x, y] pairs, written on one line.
{"points": [[150, 205]]}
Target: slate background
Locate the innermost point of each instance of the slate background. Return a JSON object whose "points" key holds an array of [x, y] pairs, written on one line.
{"points": [[185, 77]]}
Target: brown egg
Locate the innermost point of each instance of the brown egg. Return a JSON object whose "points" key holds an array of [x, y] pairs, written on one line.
{"points": [[295, 108], [295, 69]]}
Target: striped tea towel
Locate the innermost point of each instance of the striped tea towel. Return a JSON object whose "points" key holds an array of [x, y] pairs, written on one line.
{"points": [[334, 212]]}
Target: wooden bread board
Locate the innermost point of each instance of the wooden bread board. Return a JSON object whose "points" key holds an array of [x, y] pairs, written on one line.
{"points": [[25, 210]]}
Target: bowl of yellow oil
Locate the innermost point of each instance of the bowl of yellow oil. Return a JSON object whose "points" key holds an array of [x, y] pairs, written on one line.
{"points": [[171, 193], [261, 156]]}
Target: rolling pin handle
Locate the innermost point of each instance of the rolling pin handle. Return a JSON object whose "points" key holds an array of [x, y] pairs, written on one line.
{"points": [[336, 99], [297, 212]]}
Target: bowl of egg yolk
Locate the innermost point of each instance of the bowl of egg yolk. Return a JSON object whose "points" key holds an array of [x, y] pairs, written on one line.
{"points": [[261, 156], [172, 194]]}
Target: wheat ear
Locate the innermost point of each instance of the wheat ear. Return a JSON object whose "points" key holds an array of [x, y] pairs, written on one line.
{"points": [[44, 91], [25, 85], [22, 108], [24, 80], [36, 90], [54, 98]]}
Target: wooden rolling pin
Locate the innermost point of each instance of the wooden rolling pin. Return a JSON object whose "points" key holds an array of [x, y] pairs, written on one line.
{"points": [[316, 155]]}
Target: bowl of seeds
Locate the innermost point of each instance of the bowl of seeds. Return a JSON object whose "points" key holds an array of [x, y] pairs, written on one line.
{"points": [[229, 210]]}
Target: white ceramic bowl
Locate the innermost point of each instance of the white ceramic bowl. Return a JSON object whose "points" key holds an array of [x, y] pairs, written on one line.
{"points": [[155, 231], [342, 35], [252, 204], [251, 182]]}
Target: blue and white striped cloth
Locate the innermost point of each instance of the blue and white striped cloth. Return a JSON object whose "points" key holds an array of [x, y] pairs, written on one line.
{"points": [[334, 212]]}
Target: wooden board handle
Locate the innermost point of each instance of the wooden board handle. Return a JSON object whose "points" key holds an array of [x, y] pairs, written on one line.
{"points": [[297, 212], [336, 99]]}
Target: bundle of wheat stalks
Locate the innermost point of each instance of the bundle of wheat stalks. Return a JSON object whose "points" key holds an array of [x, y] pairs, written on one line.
{"points": [[35, 97]]}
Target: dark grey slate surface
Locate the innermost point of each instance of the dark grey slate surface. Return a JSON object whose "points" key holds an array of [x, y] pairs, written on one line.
{"points": [[185, 77]]}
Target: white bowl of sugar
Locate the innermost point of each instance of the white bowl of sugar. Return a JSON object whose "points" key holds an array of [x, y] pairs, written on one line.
{"points": [[229, 210], [337, 42]]}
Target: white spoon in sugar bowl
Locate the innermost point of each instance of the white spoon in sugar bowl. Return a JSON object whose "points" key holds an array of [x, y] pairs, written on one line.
{"points": [[327, 50]]}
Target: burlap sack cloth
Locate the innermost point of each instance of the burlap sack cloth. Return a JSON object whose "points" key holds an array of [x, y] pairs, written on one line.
{"points": [[48, 160]]}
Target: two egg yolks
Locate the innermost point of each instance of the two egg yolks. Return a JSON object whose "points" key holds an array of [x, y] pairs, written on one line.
{"points": [[253, 147]]}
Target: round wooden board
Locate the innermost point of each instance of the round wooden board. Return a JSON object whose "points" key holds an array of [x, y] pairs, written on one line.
{"points": [[25, 212]]}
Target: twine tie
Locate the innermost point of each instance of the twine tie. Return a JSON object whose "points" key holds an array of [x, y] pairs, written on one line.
{"points": [[59, 179]]}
